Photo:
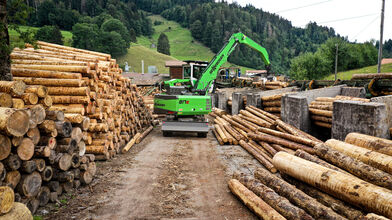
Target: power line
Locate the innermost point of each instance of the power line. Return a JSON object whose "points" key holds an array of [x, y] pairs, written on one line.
{"points": [[366, 27], [344, 19], [304, 6]]}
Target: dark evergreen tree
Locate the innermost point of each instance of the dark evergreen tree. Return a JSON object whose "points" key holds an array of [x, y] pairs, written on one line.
{"points": [[197, 30], [51, 34], [163, 44]]}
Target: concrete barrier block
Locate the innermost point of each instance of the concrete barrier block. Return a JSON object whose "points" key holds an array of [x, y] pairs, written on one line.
{"points": [[359, 92], [363, 117], [253, 99], [237, 103], [387, 100], [222, 101]]}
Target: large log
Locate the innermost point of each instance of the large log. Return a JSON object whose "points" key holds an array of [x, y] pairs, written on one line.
{"points": [[289, 137], [370, 142], [54, 68], [69, 108], [5, 100], [320, 112], [5, 147], [18, 211], [14, 122], [64, 128], [40, 163], [348, 188], [55, 115], [315, 159], [253, 202], [258, 157], [17, 103], [50, 82], [279, 203], [47, 174], [30, 184], [43, 196], [38, 114], [12, 87], [276, 140], [335, 204], [354, 166], [6, 199], [144, 134], [40, 91], [28, 98], [12, 162], [375, 159], [297, 197], [25, 150], [72, 91], [34, 135], [130, 143], [12, 178], [70, 99], [26, 71], [29, 166], [63, 161], [3, 172]]}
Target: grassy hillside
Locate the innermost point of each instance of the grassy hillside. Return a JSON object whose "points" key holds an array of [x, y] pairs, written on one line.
{"points": [[386, 68], [182, 44], [14, 36], [137, 53]]}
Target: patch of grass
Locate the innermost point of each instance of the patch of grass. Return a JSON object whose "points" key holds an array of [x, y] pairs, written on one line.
{"points": [[182, 45], [15, 41], [64, 201], [386, 68], [37, 217], [137, 53]]}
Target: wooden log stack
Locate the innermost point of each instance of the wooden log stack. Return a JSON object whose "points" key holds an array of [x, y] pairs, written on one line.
{"points": [[271, 85], [272, 104], [42, 155], [321, 109], [342, 180], [104, 108]]}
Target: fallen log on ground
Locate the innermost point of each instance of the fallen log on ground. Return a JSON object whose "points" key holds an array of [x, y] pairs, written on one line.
{"points": [[253, 202]]}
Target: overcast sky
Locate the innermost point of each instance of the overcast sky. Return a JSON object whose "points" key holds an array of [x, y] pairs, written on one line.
{"points": [[327, 12]]}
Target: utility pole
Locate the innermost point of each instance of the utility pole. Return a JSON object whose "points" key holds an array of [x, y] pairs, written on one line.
{"points": [[336, 62], [381, 37]]}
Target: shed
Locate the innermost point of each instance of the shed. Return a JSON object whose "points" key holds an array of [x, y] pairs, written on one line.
{"points": [[175, 68]]}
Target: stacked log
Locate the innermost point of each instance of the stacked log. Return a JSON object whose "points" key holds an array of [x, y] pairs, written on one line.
{"points": [[104, 108], [42, 155], [349, 180], [270, 85], [321, 109], [273, 103]]}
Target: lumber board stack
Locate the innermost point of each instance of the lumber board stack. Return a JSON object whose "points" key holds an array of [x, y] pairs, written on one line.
{"points": [[321, 109], [331, 180], [89, 88]]}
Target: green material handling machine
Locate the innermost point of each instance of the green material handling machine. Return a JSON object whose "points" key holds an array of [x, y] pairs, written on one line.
{"points": [[186, 105]]}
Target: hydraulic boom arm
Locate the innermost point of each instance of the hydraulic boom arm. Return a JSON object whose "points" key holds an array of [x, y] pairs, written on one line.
{"points": [[220, 58]]}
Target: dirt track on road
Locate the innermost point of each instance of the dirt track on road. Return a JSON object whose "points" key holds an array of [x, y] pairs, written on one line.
{"points": [[163, 177]]}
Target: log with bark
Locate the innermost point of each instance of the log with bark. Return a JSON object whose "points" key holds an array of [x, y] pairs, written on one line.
{"points": [[370, 142], [18, 211], [253, 202], [264, 161], [297, 197], [356, 167], [348, 188], [279, 203], [14, 122]]}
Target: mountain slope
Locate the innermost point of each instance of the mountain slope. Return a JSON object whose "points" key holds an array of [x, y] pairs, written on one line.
{"points": [[182, 44], [136, 53]]}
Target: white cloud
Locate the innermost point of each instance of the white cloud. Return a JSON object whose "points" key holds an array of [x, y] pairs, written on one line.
{"points": [[360, 29]]}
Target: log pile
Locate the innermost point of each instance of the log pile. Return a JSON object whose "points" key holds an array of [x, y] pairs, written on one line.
{"points": [[260, 133], [270, 85], [89, 88], [321, 109], [342, 180], [273, 103], [42, 152]]}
